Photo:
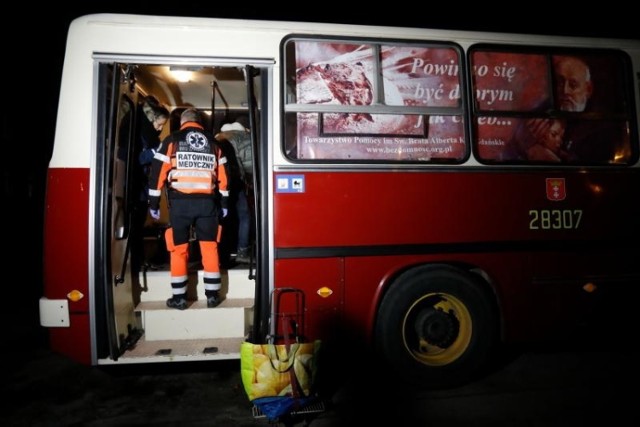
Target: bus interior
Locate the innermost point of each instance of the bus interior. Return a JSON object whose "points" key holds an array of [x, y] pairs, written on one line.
{"points": [[135, 301]]}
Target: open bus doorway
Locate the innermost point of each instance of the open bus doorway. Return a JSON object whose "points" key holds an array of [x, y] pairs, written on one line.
{"points": [[130, 315]]}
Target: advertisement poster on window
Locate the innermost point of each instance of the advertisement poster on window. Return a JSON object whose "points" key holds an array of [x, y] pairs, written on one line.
{"points": [[563, 108], [343, 74]]}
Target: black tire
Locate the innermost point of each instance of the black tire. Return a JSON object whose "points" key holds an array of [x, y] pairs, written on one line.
{"points": [[437, 326]]}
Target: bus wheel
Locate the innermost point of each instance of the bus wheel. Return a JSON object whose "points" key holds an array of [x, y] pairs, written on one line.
{"points": [[436, 325]]}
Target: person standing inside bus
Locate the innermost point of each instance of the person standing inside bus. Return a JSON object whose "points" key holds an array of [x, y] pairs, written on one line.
{"points": [[191, 165], [151, 118], [240, 139]]}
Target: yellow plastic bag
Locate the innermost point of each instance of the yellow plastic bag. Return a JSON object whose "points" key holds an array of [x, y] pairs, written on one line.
{"points": [[269, 370]]}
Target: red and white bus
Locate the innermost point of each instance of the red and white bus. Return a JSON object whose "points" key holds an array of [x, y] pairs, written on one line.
{"points": [[432, 193]]}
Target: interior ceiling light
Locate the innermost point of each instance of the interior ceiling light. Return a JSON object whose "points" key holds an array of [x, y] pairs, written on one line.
{"points": [[181, 74]]}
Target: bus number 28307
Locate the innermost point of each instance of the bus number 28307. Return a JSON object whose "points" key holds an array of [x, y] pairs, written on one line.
{"points": [[554, 219]]}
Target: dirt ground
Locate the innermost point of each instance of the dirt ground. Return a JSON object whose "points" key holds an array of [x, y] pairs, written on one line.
{"points": [[42, 388], [552, 388], [50, 390]]}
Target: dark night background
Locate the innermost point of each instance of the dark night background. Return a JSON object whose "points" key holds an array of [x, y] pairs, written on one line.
{"points": [[33, 50], [562, 389]]}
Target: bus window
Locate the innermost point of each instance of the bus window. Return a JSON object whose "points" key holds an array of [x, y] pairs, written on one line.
{"points": [[373, 102], [551, 107]]}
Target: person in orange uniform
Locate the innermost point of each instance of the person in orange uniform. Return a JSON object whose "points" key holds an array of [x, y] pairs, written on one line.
{"points": [[190, 163]]}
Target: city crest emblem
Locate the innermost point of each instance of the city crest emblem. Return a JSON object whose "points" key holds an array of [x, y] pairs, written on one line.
{"points": [[556, 189]]}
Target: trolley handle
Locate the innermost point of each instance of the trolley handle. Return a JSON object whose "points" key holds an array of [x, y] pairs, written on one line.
{"points": [[294, 320]]}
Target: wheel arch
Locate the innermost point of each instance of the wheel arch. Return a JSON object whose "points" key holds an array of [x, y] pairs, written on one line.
{"points": [[472, 278], [484, 280]]}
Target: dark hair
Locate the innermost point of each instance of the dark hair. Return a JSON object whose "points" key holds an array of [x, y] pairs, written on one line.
{"points": [[153, 109], [151, 100], [243, 120]]}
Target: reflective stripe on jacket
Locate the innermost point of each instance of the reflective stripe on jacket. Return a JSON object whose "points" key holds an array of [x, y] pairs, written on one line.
{"points": [[191, 162]]}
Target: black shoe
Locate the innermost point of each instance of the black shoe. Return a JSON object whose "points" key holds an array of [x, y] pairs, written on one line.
{"points": [[243, 256], [213, 300], [178, 303]]}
